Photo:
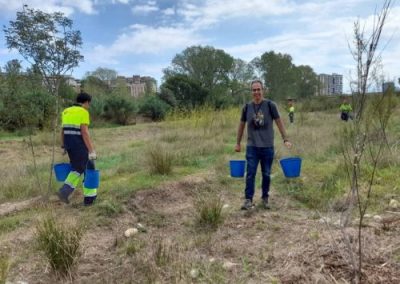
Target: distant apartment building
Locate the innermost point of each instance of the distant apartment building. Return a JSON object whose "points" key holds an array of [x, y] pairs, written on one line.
{"points": [[74, 83], [138, 85], [330, 84]]}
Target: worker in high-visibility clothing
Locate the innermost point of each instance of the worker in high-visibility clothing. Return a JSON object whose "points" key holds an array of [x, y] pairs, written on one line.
{"points": [[291, 110], [345, 109], [76, 141]]}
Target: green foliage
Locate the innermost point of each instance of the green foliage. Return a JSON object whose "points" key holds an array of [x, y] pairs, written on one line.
{"points": [[120, 109], [103, 74], [27, 110], [153, 107], [321, 103], [47, 39], [59, 243], [284, 79], [187, 92], [206, 65], [109, 208], [94, 85], [97, 107], [159, 159], [209, 211], [4, 267]]}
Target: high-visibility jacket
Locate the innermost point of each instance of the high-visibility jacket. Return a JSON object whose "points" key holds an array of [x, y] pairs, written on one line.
{"points": [[345, 108], [291, 109], [72, 119]]}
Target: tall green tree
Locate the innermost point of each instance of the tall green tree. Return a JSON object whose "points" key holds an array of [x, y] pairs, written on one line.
{"points": [[240, 77], [279, 74], [307, 81], [206, 65], [48, 42], [104, 74], [188, 93]]}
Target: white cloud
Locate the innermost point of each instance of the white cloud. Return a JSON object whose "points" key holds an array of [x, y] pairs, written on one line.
{"points": [[169, 12], [144, 40], [121, 1], [214, 11], [145, 9], [65, 6]]}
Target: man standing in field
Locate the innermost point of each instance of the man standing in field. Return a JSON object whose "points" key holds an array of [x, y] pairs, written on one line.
{"points": [[76, 141], [259, 116]]}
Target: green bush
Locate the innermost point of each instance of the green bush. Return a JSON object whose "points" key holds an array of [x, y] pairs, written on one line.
{"points": [[60, 244], [153, 107], [33, 109], [120, 109]]}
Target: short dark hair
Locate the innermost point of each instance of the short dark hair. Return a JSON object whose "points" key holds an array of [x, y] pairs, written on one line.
{"points": [[257, 81], [83, 97]]}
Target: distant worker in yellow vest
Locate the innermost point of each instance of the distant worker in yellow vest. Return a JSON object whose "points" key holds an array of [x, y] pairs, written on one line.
{"points": [[75, 139], [291, 110], [346, 110]]}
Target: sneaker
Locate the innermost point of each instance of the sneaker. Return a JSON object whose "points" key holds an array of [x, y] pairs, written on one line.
{"points": [[265, 203], [247, 205]]}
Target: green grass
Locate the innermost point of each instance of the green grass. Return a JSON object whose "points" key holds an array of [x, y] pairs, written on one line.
{"points": [[208, 207], [4, 267], [59, 243]]}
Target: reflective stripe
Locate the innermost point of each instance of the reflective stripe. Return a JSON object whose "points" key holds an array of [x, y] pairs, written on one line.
{"points": [[89, 192], [71, 126], [73, 179], [72, 132]]}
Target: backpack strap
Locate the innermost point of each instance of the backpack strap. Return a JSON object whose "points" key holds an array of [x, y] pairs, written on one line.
{"points": [[269, 107]]}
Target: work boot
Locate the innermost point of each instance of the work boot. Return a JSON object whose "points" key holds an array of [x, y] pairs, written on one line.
{"points": [[64, 192], [265, 203], [247, 205], [89, 200]]}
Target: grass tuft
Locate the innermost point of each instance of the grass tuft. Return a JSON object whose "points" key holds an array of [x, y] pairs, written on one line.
{"points": [[209, 211], [60, 244], [160, 159], [4, 267]]}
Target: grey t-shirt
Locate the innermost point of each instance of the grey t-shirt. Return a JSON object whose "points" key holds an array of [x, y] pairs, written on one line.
{"points": [[259, 118]]}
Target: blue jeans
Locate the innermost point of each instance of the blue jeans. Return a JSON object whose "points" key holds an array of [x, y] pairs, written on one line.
{"points": [[255, 155]]}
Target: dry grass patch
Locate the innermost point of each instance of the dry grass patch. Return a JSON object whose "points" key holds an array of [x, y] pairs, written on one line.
{"points": [[60, 244]]}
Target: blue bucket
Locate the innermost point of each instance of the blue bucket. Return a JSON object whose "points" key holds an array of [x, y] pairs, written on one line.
{"points": [[92, 179], [62, 170], [237, 168], [291, 166]]}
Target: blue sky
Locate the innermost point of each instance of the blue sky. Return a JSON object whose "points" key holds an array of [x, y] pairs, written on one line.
{"points": [[140, 37]]}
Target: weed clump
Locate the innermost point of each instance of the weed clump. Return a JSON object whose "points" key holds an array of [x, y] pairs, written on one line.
{"points": [[60, 244]]}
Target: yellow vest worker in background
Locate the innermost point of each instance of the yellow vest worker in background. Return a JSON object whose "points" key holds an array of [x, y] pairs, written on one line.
{"points": [[76, 141], [291, 110], [345, 109]]}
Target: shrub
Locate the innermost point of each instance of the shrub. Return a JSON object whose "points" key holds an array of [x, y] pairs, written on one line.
{"points": [[120, 109], [153, 107], [59, 243], [209, 211], [160, 160]]}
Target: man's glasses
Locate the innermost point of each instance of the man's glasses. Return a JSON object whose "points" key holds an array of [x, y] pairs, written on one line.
{"points": [[256, 90]]}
